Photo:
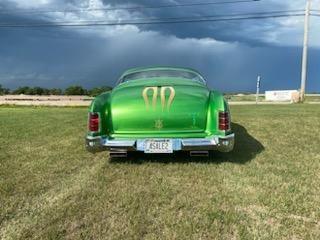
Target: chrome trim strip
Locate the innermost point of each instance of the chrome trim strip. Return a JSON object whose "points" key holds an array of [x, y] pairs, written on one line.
{"points": [[220, 143], [199, 142], [230, 136], [93, 138], [119, 143]]}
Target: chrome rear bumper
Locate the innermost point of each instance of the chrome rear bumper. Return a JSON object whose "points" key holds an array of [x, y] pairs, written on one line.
{"points": [[219, 143]]}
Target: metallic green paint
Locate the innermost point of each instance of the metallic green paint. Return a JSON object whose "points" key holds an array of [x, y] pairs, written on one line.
{"points": [[187, 113], [192, 114]]}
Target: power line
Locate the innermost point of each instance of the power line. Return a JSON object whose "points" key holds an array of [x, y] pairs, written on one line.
{"points": [[9, 11], [212, 16], [174, 18], [194, 20]]}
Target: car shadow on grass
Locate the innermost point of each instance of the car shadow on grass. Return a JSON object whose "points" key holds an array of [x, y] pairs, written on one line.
{"points": [[246, 149]]}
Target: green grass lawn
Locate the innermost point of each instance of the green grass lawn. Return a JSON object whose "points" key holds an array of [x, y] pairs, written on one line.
{"points": [[268, 188]]}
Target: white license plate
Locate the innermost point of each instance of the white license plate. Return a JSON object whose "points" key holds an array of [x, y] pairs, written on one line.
{"points": [[158, 146]]}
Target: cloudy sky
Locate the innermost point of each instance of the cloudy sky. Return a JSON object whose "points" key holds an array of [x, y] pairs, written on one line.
{"points": [[229, 54]]}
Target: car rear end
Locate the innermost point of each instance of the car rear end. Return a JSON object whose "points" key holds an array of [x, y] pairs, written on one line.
{"points": [[197, 127]]}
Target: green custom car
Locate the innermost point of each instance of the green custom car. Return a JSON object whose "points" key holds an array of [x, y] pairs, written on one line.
{"points": [[160, 110]]}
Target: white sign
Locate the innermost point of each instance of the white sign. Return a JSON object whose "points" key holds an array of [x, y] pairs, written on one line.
{"points": [[281, 96]]}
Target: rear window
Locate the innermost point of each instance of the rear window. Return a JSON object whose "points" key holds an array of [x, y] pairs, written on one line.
{"points": [[163, 73]]}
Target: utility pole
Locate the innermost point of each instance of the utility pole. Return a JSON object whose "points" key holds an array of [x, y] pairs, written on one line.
{"points": [[258, 88], [304, 70]]}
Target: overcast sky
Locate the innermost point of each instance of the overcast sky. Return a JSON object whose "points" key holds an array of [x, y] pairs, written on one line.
{"points": [[230, 54]]}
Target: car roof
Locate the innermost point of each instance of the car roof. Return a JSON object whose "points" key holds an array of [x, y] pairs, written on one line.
{"points": [[143, 69]]}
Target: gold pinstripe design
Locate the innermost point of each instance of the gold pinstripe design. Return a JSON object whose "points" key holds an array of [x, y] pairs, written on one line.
{"points": [[162, 96]]}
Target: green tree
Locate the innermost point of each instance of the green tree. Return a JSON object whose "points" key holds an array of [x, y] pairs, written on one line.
{"points": [[75, 90], [4, 91], [32, 91], [22, 90], [99, 90], [36, 91], [55, 91], [46, 91]]}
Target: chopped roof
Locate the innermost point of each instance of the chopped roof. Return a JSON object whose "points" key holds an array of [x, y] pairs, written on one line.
{"points": [[142, 69]]}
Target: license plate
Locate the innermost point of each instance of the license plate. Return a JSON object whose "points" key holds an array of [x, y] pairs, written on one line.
{"points": [[158, 146]]}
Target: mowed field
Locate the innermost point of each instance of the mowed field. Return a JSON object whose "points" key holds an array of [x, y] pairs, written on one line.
{"points": [[268, 188]]}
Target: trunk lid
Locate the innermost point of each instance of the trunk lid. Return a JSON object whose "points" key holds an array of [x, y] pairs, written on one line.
{"points": [[159, 106]]}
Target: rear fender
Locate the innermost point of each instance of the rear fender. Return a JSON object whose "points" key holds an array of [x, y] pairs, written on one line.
{"points": [[217, 104], [101, 105]]}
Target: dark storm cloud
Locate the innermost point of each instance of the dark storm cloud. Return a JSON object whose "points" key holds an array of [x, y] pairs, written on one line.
{"points": [[58, 57], [231, 31], [93, 61]]}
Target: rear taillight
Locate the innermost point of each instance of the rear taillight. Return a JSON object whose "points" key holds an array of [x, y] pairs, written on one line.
{"points": [[93, 124], [224, 121]]}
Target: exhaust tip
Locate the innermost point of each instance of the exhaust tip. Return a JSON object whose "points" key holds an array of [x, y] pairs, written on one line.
{"points": [[118, 154], [199, 153]]}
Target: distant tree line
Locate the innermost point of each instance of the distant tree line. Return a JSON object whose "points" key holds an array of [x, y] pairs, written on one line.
{"points": [[72, 90]]}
